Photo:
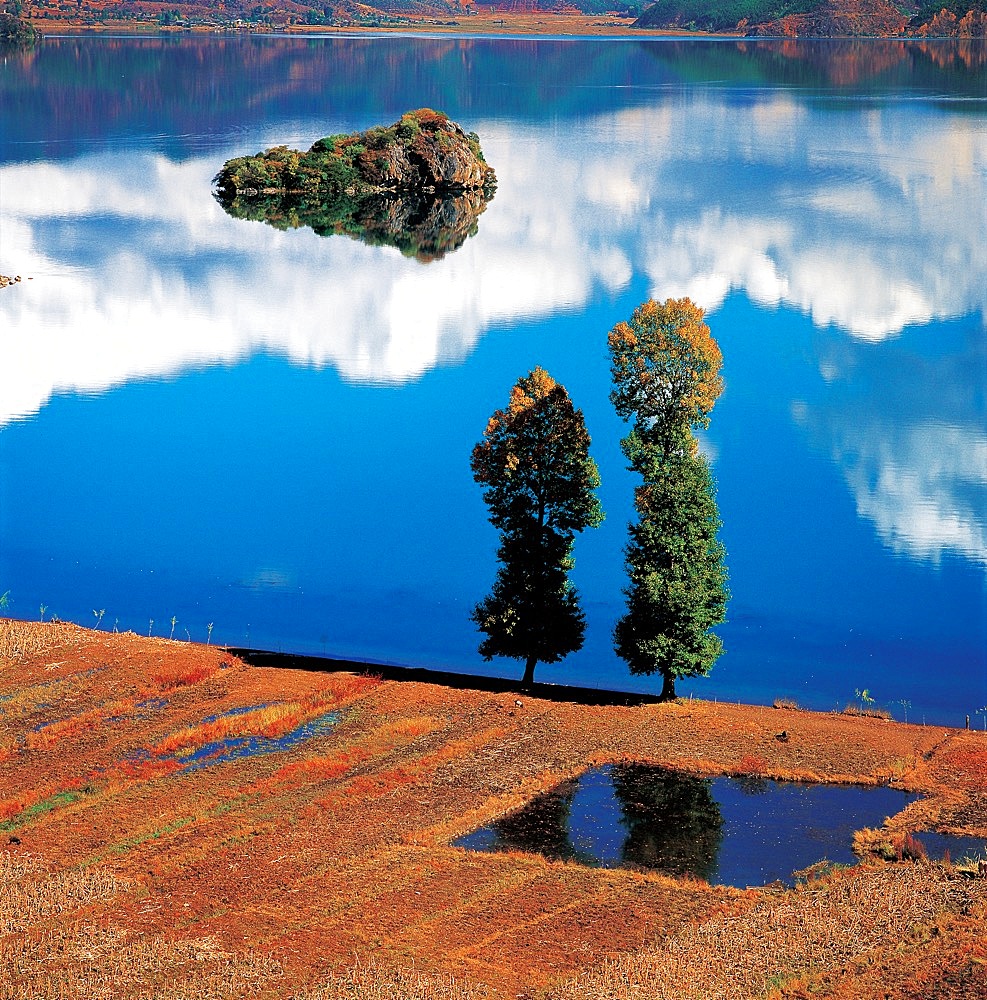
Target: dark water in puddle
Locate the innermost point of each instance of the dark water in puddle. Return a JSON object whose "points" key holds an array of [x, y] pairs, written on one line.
{"points": [[959, 848], [733, 831]]}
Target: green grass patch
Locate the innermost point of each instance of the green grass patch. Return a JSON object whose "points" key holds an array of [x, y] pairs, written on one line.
{"points": [[40, 808], [143, 838]]}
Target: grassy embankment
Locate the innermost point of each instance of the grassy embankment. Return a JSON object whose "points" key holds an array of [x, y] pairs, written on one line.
{"points": [[176, 823]]}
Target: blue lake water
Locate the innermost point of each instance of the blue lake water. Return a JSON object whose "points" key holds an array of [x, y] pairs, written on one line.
{"points": [[208, 419]]}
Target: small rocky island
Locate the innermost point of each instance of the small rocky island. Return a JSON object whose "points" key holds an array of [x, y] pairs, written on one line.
{"points": [[418, 184]]}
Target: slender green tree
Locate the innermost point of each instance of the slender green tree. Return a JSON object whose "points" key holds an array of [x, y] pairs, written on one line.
{"points": [[539, 486], [676, 591], [665, 367]]}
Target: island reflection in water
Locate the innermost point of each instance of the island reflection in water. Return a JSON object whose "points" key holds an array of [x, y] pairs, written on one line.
{"points": [[732, 831], [418, 185], [420, 224]]}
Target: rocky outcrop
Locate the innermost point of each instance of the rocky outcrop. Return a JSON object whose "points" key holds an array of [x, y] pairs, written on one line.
{"points": [[419, 185]]}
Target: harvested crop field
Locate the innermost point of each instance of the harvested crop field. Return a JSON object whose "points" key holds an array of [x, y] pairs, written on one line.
{"points": [[178, 823]]}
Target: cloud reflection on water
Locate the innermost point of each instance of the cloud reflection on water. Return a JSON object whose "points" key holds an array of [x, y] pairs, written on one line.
{"points": [[868, 221], [909, 433]]}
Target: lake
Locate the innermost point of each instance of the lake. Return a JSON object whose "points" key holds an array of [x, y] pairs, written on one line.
{"points": [[210, 428]]}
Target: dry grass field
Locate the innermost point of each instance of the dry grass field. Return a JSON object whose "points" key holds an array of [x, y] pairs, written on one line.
{"points": [[176, 823]]}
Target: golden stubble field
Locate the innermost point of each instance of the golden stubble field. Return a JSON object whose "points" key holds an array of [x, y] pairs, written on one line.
{"points": [[140, 858]]}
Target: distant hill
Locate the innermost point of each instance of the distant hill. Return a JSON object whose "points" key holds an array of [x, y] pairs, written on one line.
{"points": [[818, 18], [719, 15]]}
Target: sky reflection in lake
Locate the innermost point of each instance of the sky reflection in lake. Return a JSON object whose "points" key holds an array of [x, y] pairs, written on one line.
{"points": [[836, 241]]}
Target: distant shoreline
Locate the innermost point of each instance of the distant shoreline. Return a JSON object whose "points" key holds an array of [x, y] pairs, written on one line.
{"points": [[538, 24]]}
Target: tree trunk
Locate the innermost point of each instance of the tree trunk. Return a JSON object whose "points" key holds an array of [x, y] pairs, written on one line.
{"points": [[667, 688], [529, 672]]}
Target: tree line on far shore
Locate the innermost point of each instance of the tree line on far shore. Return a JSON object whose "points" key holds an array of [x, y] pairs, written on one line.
{"points": [[539, 486]]}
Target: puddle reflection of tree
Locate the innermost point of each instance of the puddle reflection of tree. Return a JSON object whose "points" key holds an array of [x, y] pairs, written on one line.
{"points": [[751, 784], [544, 827], [672, 822]]}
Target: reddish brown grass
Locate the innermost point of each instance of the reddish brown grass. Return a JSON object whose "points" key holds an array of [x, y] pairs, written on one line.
{"points": [[174, 675], [287, 872], [740, 955], [751, 764]]}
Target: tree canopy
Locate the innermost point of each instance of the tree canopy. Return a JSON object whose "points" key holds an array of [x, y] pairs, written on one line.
{"points": [[665, 367], [539, 486], [15, 32]]}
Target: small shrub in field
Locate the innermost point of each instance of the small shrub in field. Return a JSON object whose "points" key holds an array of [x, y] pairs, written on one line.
{"points": [[9, 808], [888, 846], [908, 848], [790, 703], [751, 764]]}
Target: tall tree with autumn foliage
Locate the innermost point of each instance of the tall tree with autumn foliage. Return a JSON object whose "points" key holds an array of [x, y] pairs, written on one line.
{"points": [[666, 374], [539, 485]]}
